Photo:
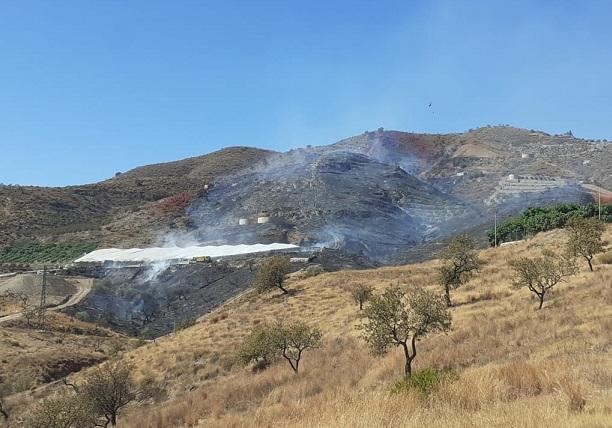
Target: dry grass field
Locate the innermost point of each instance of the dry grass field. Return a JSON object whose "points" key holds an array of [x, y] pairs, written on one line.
{"points": [[30, 357], [516, 366]]}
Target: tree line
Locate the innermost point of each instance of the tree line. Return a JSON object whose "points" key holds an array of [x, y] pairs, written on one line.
{"points": [[541, 219]]}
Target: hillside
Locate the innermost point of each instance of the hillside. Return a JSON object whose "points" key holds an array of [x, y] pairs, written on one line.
{"points": [[422, 188], [515, 366], [99, 212]]}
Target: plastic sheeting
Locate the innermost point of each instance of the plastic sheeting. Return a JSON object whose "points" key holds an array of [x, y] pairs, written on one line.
{"points": [[156, 254]]}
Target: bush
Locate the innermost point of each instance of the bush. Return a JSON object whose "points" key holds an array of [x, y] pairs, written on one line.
{"points": [[311, 271], [69, 411], [425, 382], [82, 316]]}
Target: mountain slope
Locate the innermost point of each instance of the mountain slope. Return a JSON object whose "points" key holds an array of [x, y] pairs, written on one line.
{"points": [[366, 193], [28, 212], [514, 365]]}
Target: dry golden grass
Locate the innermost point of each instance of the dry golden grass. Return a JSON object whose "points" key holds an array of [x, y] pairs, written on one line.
{"points": [[516, 366], [30, 357]]}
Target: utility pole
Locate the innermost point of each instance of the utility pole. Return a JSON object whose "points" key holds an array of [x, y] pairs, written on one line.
{"points": [[43, 299], [495, 228], [599, 203]]}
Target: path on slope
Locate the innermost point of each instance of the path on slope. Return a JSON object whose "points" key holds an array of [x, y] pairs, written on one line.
{"points": [[83, 286]]}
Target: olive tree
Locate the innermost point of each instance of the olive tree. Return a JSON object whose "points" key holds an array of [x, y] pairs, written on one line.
{"points": [[108, 388], [271, 274], [287, 340], [540, 274], [361, 294], [459, 263], [397, 319], [62, 411], [292, 339], [584, 238], [258, 347]]}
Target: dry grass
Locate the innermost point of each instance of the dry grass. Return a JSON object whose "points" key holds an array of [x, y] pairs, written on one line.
{"points": [[517, 366], [30, 357]]}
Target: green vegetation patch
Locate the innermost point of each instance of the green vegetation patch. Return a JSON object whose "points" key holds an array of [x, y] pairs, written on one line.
{"points": [[425, 381], [44, 253], [540, 219]]}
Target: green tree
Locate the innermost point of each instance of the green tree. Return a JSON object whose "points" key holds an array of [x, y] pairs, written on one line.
{"points": [[259, 347], [459, 263], [540, 274], [584, 238], [292, 339], [396, 319], [271, 274], [361, 294], [108, 388]]}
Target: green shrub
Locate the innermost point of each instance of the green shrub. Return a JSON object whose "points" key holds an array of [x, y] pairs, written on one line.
{"points": [[313, 270], [82, 316], [425, 382]]}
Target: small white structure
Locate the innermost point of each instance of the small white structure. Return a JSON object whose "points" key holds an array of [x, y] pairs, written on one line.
{"points": [[460, 174], [525, 155], [511, 177], [243, 221], [263, 218], [586, 162]]}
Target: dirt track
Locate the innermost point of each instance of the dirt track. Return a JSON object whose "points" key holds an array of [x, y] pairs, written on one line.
{"points": [[83, 286]]}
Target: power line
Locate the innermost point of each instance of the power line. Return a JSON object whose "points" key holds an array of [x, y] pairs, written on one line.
{"points": [[43, 299]]}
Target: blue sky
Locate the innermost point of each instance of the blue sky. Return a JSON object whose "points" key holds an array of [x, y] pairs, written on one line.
{"points": [[88, 88]]}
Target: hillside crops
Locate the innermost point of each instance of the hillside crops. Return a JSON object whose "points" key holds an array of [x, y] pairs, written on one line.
{"points": [[540, 219], [44, 253]]}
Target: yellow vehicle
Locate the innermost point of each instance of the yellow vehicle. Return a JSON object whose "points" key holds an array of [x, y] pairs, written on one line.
{"points": [[202, 259]]}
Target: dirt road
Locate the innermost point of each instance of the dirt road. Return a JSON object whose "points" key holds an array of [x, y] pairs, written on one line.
{"points": [[83, 286]]}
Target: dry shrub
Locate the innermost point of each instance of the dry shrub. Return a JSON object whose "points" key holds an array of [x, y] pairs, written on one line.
{"points": [[605, 258], [574, 391], [522, 379]]}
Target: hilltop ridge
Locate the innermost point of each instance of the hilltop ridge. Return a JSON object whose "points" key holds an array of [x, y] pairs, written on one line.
{"points": [[437, 178]]}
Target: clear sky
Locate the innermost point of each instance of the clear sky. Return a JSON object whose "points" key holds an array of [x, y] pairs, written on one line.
{"points": [[89, 88]]}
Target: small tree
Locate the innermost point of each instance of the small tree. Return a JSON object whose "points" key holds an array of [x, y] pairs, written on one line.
{"points": [[584, 238], [259, 347], [361, 294], [293, 339], [65, 411], [540, 274], [394, 319], [459, 263], [272, 274], [109, 388]]}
